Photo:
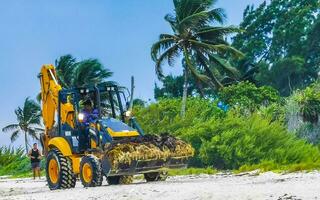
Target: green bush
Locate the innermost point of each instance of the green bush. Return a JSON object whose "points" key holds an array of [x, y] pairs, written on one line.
{"points": [[302, 111], [13, 161], [229, 140], [236, 141], [247, 97], [309, 103], [164, 116]]}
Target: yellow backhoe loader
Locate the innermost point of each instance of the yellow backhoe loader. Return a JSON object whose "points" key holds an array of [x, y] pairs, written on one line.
{"points": [[103, 140]]}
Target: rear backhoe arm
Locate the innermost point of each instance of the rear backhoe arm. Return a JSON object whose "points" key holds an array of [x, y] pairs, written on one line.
{"points": [[50, 89], [49, 95]]}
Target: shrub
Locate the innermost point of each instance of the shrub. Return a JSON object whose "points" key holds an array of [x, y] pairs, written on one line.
{"points": [[248, 97], [13, 161], [302, 113], [309, 103], [237, 141], [164, 116], [229, 140]]}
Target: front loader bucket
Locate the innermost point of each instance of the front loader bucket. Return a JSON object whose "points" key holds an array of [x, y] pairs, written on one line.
{"points": [[145, 154], [143, 166]]}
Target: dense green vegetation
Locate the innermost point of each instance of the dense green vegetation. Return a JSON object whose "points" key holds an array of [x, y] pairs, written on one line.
{"points": [[13, 161], [280, 37], [248, 96], [227, 140], [164, 116]]}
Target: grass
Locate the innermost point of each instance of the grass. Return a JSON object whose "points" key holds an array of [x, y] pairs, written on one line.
{"points": [[271, 166], [28, 174], [192, 171]]}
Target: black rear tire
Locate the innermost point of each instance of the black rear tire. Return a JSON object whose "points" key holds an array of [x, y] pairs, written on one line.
{"points": [[96, 171], [156, 176], [66, 178], [119, 180], [113, 180]]}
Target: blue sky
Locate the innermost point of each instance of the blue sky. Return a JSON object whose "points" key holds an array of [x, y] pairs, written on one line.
{"points": [[118, 33]]}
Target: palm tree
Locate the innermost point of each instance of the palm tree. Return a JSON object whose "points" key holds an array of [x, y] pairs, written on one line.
{"points": [[90, 71], [199, 43], [71, 73], [65, 67], [77, 74], [28, 121]]}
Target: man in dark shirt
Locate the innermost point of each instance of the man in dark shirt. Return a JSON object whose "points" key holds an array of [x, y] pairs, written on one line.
{"points": [[35, 157], [90, 114]]}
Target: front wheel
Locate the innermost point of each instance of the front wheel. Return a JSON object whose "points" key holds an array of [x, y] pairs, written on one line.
{"points": [[90, 171], [59, 171]]}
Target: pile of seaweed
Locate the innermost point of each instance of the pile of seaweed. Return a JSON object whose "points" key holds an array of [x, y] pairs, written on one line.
{"points": [[147, 147]]}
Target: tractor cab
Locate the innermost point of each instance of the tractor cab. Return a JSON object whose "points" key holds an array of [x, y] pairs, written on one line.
{"points": [[104, 120]]}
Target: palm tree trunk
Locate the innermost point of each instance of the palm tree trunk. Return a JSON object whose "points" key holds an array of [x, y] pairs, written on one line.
{"points": [[289, 84], [185, 92], [26, 141], [200, 88]]}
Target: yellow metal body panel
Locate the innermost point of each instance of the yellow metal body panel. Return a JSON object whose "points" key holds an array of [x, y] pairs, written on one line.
{"points": [[93, 144], [67, 114], [76, 164], [123, 133], [61, 144]]}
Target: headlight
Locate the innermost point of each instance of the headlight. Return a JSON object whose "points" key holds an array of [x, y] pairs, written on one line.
{"points": [[128, 113], [80, 117]]}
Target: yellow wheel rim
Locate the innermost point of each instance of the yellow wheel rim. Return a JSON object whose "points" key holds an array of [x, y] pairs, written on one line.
{"points": [[87, 172], [53, 171]]}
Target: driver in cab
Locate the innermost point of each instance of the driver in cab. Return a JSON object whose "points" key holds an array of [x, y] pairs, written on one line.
{"points": [[89, 114]]}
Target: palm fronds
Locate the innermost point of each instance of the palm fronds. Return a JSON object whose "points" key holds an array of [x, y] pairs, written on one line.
{"points": [[72, 73], [28, 121], [193, 32]]}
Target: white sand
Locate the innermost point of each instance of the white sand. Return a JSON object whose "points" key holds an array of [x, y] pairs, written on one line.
{"points": [[221, 186]]}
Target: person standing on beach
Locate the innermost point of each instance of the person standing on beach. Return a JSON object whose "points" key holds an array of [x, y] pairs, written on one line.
{"points": [[35, 157]]}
